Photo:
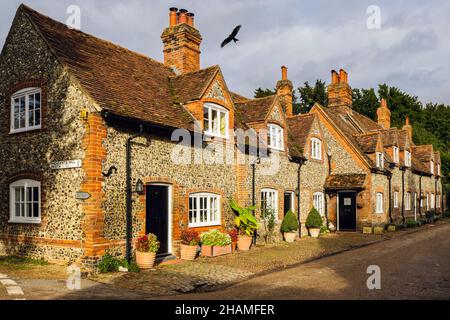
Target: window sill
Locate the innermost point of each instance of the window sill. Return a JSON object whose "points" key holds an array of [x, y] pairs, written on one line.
{"points": [[215, 136], [218, 224], [24, 222], [12, 132]]}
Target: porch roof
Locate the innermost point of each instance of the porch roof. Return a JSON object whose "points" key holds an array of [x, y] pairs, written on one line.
{"points": [[352, 181]]}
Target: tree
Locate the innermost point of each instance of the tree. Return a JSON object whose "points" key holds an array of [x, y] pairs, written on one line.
{"points": [[261, 93], [310, 95]]}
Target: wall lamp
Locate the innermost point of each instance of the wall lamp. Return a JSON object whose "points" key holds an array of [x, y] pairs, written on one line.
{"points": [[139, 187]]}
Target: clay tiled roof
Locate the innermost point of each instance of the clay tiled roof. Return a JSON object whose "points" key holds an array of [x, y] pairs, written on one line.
{"points": [[298, 129], [119, 80], [368, 142], [237, 97], [390, 137], [345, 181], [423, 153], [191, 86], [256, 109]]}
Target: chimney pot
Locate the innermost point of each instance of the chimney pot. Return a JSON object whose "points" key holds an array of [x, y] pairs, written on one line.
{"points": [[284, 73], [407, 121], [343, 76], [334, 77], [182, 16], [190, 19], [173, 17]]}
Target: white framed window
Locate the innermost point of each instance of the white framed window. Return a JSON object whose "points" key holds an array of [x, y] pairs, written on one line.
{"points": [[379, 203], [215, 120], [428, 201], [438, 169], [432, 167], [275, 137], [438, 201], [408, 201], [204, 210], [319, 202], [407, 158], [316, 149], [26, 110], [396, 155], [396, 199], [432, 201], [380, 160], [421, 200], [25, 201], [269, 201]]}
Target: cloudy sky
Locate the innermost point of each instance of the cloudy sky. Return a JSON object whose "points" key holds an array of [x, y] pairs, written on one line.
{"points": [[411, 50]]}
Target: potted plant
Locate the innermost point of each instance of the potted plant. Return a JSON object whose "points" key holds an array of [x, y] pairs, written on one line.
{"points": [[215, 243], [314, 223], [233, 233], [189, 244], [246, 224], [289, 226], [146, 249]]}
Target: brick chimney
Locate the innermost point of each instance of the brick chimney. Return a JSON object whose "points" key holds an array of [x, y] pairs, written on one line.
{"points": [[284, 92], [339, 91], [408, 127], [181, 42], [384, 115]]}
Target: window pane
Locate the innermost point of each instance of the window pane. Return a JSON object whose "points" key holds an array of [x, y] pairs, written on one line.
{"points": [[35, 194], [36, 210], [206, 119], [29, 209], [223, 123], [192, 210], [215, 121]]}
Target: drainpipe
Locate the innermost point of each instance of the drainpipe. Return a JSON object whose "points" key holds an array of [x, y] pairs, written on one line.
{"points": [[300, 164], [435, 195], [325, 193], [403, 194], [420, 196], [254, 195], [390, 197], [129, 191]]}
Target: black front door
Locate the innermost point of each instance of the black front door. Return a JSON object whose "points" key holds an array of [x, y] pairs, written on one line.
{"points": [[288, 202], [157, 215], [347, 211]]}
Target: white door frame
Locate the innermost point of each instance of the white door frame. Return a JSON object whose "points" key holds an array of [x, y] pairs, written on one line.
{"points": [[170, 213], [356, 208]]}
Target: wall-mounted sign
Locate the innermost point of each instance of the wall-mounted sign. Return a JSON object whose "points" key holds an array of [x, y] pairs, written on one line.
{"points": [[68, 164], [81, 195]]}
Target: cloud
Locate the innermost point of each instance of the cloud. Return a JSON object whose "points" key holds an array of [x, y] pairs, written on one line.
{"points": [[410, 51]]}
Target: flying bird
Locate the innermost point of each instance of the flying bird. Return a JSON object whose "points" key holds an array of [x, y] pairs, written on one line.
{"points": [[231, 37]]}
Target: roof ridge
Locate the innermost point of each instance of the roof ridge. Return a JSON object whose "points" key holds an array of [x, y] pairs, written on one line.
{"points": [[216, 66], [26, 9]]}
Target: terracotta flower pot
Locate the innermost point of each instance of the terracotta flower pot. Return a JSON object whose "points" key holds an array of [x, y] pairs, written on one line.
{"points": [[244, 243], [233, 247], [145, 260], [188, 252], [290, 236], [313, 232]]}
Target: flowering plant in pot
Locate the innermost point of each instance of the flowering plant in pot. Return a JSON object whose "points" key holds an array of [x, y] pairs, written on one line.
{"points": [[189, 244], [289, 226], [146, 249], [233, 233], [314, 223], [215, 243], [246, 223]]}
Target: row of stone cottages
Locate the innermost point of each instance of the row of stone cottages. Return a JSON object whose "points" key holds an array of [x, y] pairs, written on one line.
{"points": [[78, 111]]}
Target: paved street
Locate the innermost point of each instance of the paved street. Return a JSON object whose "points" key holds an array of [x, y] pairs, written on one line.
{"points": [[413, 266], [416, 266]]}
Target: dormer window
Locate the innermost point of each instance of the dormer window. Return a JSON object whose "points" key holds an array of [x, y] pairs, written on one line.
{"points": [[215, 120], [396, 155], [380, 160], [432, 167], [316, 149], [407, 158], [26, 110], [275, 137]]}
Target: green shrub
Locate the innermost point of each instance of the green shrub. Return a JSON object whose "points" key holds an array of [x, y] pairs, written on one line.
{"points": [[447, 214], [108, 263], [314, 220], [400, 226], [245, 221], [430, 215], [215, 238], [290, 223], [412, 224], [324, 229], [423, 221]]}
